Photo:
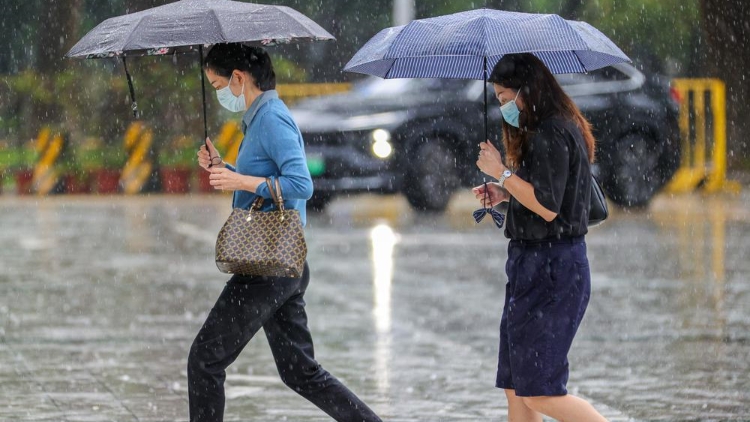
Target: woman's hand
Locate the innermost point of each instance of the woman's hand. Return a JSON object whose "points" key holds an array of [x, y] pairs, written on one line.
{"points": [[494, 195], [490, 160], [209, 157], [224, 179]]}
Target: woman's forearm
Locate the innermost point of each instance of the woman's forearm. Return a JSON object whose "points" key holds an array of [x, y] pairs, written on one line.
{"points": [[289, 188], [523, 191], [251, 183]]}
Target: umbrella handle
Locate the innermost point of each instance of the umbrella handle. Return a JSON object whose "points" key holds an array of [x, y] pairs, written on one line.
{"points": [[134, 104], [203, 92], [486, 135]]}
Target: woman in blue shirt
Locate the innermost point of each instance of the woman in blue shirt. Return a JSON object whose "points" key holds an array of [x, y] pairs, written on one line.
{"points": [[272, 148]]}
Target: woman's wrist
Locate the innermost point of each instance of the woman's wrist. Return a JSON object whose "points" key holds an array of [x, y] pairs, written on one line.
{"points": [[253, 183], [500, 172]]}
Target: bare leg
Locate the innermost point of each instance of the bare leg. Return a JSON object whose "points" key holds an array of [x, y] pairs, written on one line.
{"points": [[518, 411], [564, 408]]}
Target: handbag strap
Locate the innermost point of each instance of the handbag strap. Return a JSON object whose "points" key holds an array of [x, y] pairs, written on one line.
{"points": [[280, 197], [275, 190], [257, 204]]}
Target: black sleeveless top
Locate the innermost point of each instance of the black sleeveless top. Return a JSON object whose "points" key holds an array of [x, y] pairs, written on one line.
{"points": [[555, 161]]}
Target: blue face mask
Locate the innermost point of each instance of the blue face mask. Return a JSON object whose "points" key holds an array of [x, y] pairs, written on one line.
{"points": [[229, 101], [510, 111]]}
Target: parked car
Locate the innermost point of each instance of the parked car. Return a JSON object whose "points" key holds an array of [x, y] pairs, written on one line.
{"points": [[420, 136]]}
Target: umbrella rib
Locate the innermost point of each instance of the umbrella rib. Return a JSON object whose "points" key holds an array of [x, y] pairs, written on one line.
{"points": [[127, 40], [395, 42], [218, 21], [303, 24], [582, 40], [485, 54], [583, 66], [285, 12]]}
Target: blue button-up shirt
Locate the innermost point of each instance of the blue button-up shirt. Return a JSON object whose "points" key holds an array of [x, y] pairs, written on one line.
{"points": [[273, 148]]}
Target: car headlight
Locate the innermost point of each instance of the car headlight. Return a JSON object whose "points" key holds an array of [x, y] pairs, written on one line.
{"points": [[373, 121], [381, 143]]}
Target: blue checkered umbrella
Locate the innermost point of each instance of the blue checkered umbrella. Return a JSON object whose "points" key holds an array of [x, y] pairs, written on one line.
{"points": [[467, 45]]}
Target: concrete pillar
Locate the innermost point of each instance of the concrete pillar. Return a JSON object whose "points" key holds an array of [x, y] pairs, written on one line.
{"points": [[403, 12]]}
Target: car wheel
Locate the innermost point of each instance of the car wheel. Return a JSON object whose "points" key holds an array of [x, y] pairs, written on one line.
{"points": [[431, 175], [634, 176], [319, 201]]}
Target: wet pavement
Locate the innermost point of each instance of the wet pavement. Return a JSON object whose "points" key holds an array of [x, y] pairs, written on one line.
{"points": [[100, 299]]}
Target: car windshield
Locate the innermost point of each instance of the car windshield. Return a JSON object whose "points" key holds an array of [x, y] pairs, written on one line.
{"points": [[600, 75], [377, 87]]}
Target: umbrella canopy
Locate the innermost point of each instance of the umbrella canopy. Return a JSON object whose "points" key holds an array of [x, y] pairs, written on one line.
{"points": [[467, 45], [184, 25], [189, 25]]}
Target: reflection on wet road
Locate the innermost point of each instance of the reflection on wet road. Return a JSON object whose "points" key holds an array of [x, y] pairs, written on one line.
{"points": [[101, 298]]}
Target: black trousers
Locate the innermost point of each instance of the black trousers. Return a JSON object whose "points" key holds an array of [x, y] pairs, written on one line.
{"points": [[277, 305]]}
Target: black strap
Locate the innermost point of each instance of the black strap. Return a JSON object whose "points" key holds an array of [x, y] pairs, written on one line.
{"points": [[134, 104]]}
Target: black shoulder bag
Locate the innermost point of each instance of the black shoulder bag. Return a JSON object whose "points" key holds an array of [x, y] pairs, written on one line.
{"points": [[598, 211]]}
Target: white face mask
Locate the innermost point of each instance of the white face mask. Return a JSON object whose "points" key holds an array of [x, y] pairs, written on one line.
{"points": [[229, 101]]}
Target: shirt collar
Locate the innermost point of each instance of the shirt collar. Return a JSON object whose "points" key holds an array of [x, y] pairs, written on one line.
{"points": [[263, 98]]}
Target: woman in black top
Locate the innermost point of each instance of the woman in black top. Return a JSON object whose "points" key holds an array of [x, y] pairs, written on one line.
{"points": [[547, 180]]}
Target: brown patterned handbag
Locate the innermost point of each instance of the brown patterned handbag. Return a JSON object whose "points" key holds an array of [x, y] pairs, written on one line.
{"points": [[257, 243]]}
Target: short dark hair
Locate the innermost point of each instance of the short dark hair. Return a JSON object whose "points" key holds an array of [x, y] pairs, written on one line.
{"points": [[223, 59]]}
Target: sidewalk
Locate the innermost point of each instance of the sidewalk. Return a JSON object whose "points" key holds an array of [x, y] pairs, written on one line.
{"points": [[102, 298]]}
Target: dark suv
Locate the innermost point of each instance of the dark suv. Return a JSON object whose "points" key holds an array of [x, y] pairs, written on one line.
{"points": [[420, 136]]}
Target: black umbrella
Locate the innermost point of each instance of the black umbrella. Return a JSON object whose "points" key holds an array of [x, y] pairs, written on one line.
{"points": [[189, 26]]}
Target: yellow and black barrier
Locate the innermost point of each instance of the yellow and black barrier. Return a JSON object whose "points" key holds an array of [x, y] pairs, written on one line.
{"points": [[137, 169], [231, 135], [228, 141], [49, 147], [291, 93], [704, 153]]}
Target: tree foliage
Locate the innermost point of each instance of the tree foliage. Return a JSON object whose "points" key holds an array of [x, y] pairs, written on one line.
{"points": [[660, 35], [727, 25]]}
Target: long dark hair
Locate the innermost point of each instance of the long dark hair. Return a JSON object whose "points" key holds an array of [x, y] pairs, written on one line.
{"points": [[542, 97], [223, 59]]}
